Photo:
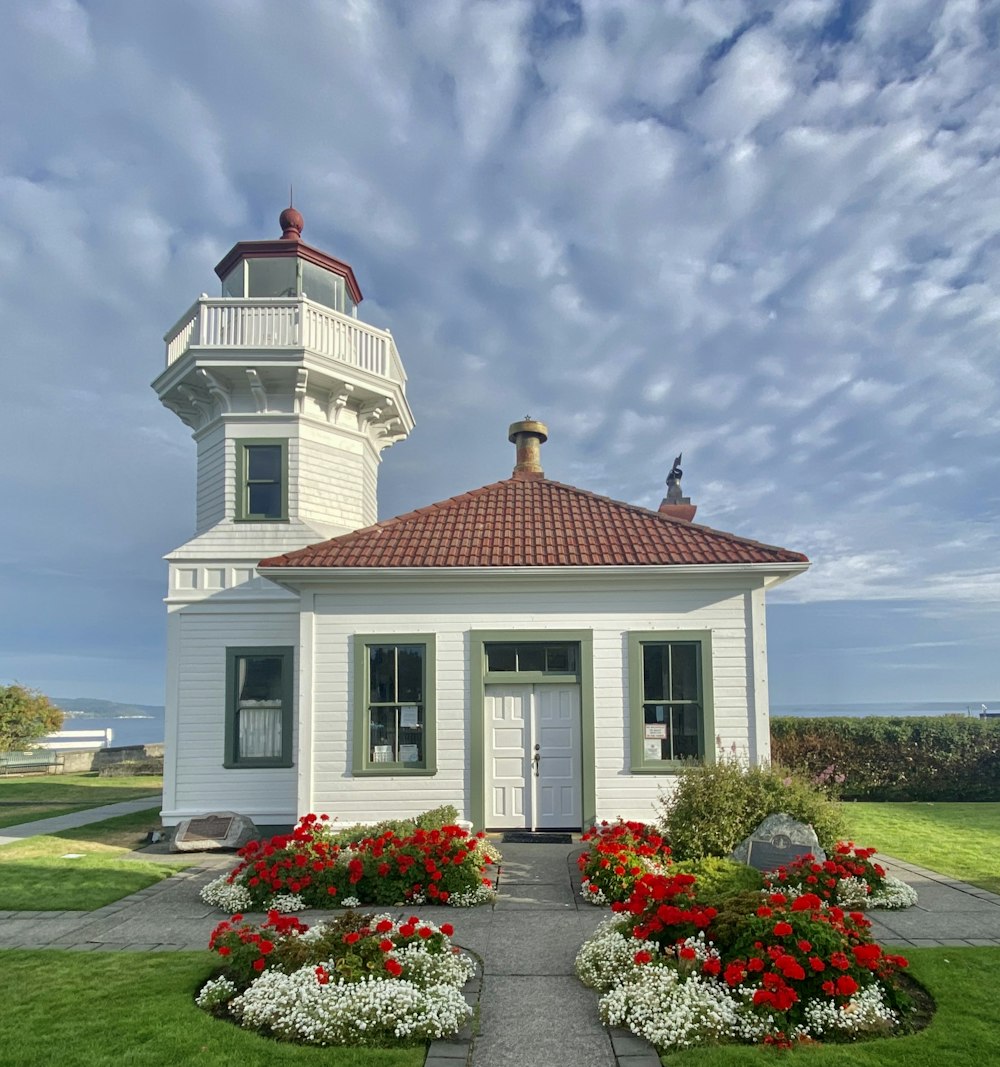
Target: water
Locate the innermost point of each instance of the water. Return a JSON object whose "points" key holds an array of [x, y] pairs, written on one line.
{"points": [[131, 730], [857, 711]]}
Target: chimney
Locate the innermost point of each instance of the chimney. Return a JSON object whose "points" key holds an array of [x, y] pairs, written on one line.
{"points": [[527, 437], [675, 505]]}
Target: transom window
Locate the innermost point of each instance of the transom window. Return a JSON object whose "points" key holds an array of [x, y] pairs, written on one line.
{"points": [[395, 728], [669, 713], [546, 658], [262, 470]]}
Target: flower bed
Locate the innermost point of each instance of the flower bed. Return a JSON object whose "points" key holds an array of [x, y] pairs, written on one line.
{"points": [[619, 853], [354, 980], [315, 866], [848, 878], [759, 969]]}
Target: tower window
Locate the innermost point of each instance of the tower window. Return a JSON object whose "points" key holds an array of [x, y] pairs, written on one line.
{"points": [[262, 480]]}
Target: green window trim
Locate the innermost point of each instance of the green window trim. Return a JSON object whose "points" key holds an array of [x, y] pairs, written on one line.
{"points": [[232, 759], [362, 764], [480, 677], [702, 639], [245, 484]]}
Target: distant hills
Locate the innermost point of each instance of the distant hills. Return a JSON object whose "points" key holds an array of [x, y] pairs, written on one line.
{"points": [[88, 708]]}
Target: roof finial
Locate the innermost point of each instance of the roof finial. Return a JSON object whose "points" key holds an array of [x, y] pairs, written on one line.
{"points": [[290, 221], [675, 505]]}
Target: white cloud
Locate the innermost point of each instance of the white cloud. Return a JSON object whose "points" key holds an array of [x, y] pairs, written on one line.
{"points": [[659, 228]]}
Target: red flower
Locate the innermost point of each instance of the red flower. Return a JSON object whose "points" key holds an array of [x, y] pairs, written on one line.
{"points": [[782, 929], [394, 967], [223, 950], [384, 926], [846, 986], [642, 956], [259, 964], [447, 929], [386, 945], [734, 974]]}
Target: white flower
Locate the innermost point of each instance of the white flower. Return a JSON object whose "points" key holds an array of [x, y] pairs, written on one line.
{"points": [[866, 1013], [607, 957], [230, 898], [298, 1007], [215, 992], [893, 893], [350, 902]]}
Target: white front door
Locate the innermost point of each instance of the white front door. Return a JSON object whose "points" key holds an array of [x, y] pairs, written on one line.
{"points": [[533, 758]]}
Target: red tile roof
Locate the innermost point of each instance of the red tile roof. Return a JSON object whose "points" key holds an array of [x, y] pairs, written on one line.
{"points": [[533, 522]]}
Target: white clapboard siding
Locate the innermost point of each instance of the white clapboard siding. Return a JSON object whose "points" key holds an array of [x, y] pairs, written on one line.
{"points": [[450, 613], [211, 489], [200, 782]]}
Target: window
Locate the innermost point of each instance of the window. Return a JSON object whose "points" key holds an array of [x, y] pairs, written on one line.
{"points": [[258, 707], [530, 656], [262, 480], [394, 726], [670, 696]]}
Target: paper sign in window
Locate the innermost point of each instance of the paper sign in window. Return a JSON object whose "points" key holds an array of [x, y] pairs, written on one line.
{"points": [[653, 749], [656, 729], [408, 754], [408, 716]]}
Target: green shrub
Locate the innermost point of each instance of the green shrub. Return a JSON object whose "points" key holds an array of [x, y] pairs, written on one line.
{"points": [[920, 759], [435, 819], [714, 807], [719, 878]]}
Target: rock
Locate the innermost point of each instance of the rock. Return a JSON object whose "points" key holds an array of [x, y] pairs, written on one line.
{"points": [[217, 831], [777, 842]]}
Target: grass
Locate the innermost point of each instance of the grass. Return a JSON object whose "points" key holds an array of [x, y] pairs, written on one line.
{"points": [[35, 874], [26, 799], [960, 840], [963, 1032], [117, 1009]]}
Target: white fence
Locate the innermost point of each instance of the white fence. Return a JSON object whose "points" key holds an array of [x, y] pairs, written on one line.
{"points": [[81, 740]]}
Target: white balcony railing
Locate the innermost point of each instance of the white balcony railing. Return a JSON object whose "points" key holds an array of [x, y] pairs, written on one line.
{"points": [[277, 324]]}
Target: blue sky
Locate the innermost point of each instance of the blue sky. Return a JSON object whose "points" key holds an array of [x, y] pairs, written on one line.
{"points": [[766, 236]]}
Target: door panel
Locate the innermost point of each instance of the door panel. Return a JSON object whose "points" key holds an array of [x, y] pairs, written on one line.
{"points": [[519, 717], [557, 730], [506, 764]]}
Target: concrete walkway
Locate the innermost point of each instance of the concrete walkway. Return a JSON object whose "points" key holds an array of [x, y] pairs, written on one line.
{"points": [[10, 834], [532, 1008]]}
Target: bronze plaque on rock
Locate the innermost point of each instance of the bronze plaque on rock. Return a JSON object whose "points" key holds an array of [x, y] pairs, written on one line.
{"points": [[212, 827]]}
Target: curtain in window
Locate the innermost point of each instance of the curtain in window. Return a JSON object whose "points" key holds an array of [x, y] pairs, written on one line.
{"points": [[259, 721]]}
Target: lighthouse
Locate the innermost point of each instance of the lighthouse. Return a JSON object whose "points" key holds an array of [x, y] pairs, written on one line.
{"points": [[291, 399]]}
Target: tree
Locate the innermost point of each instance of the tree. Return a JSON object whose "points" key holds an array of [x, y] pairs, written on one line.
{"points": [[25, 715]]}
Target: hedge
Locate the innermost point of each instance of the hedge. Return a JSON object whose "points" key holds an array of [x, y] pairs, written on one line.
{"points": [[916, 759]]}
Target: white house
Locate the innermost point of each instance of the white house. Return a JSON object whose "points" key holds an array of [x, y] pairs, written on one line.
{"points": [[530, 652]]}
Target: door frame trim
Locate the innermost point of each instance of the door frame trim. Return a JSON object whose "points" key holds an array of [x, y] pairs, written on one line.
{"points": [[478, 639]]}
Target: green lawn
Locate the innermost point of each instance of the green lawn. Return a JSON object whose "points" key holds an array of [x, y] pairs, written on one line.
{"points": [[963, 1032], [961, 840], [25, 799], [36, 875], [96, 1009]]}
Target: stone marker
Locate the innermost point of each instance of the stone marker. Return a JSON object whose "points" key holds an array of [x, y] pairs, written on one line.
{"points": [[209, 833], [777, 842]]}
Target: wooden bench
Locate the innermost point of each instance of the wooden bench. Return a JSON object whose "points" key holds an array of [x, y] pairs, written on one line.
{"points": [[37, 761]]}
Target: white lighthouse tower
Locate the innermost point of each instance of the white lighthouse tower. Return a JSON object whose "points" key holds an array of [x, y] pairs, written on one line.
{"points": [[291, 400]]}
